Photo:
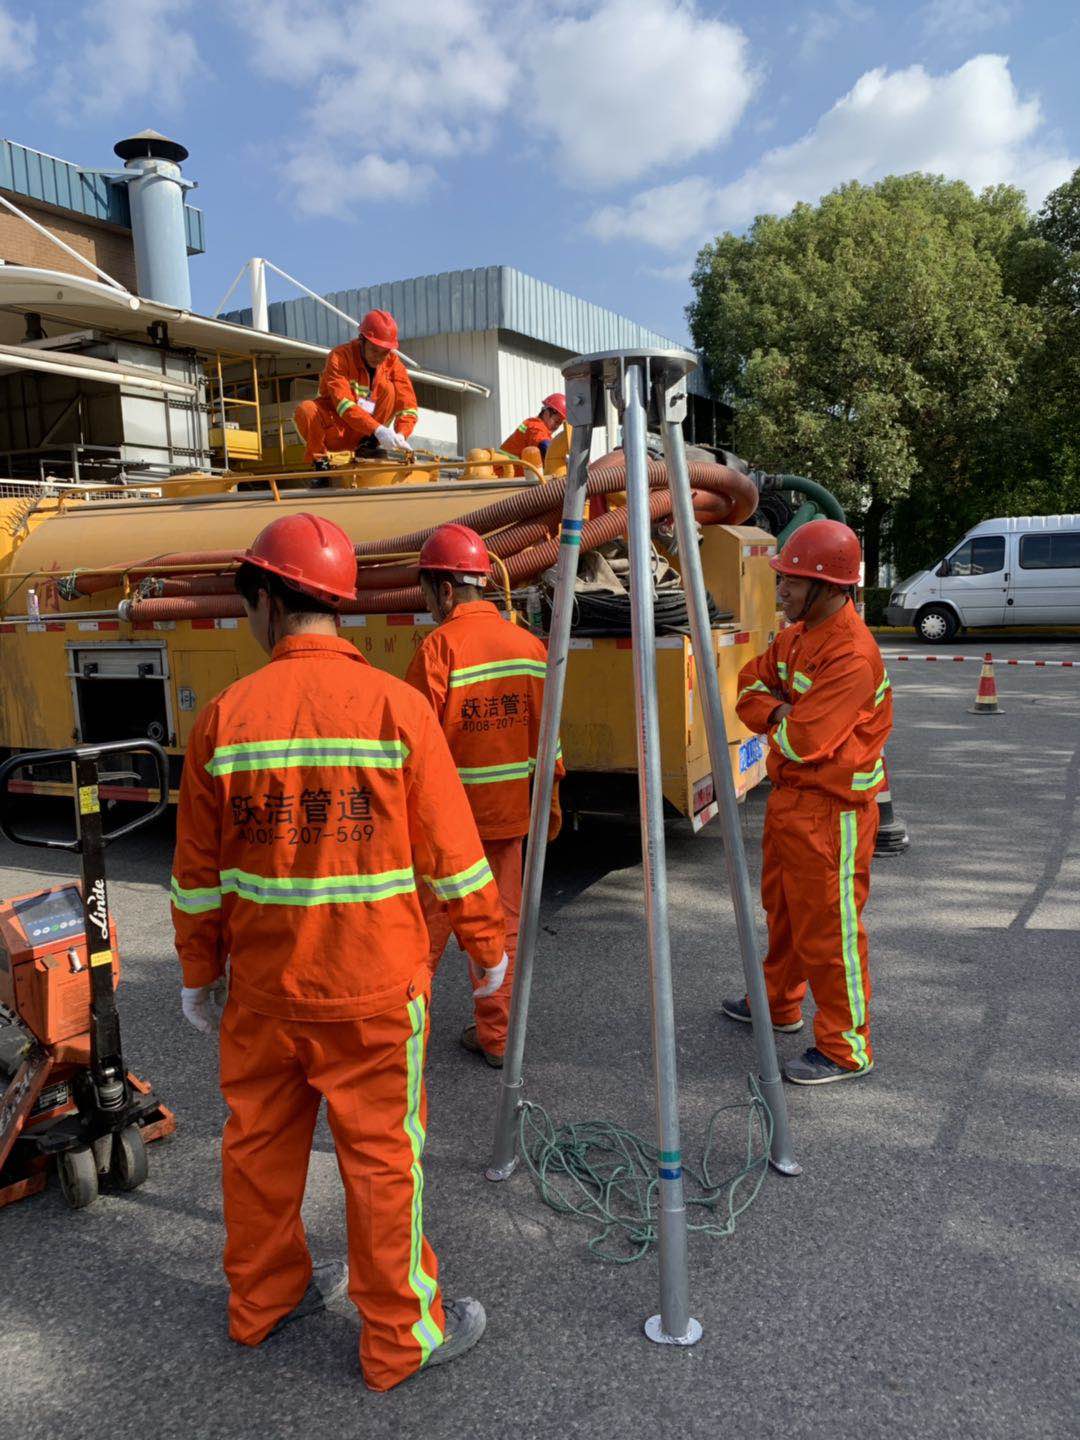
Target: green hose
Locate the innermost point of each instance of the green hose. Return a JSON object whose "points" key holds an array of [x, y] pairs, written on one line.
{"points": [[824, 499]]}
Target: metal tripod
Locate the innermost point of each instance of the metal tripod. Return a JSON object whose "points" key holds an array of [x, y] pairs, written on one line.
{"points": [[644, 385]]}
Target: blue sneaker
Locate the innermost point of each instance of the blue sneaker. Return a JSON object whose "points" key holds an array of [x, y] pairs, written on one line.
{"points": [[814, 1068]]}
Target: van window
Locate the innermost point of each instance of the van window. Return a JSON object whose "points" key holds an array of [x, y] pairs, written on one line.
{"points": [[983, 555], [1060, 550]]}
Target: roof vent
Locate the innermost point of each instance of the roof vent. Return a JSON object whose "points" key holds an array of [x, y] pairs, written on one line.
{"points": [[150, 145]]}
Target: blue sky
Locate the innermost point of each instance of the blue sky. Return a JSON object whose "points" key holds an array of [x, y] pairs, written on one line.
{"points": [[594, 145]]}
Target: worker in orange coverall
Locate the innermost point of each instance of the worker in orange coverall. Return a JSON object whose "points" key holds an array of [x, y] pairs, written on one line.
{"points": [[317, 794], [538, 430], [821, 694], [366, 401], [485, 680]]}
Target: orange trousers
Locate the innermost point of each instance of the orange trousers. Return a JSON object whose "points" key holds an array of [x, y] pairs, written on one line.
{"points": [[274, 1073], [323, 429], [815, 879], [493, 1012]]}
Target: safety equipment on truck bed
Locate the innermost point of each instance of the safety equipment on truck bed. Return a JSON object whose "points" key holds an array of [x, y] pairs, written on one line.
{"points": [[202, 1005], [380, 328], [311, 554], [456, 550], [822, 550], [556, 402]]}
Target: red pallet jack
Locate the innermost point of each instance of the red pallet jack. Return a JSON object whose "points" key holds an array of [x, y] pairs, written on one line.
{"points": [[67, 1097]]}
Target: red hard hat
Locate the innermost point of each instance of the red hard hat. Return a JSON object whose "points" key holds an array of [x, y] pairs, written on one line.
{"points": [[821, 550], [456, 550], [313, 555], [380, 327], [556, 403]]}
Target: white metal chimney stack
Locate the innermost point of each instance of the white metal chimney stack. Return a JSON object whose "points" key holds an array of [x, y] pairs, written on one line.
{"points": [[156, 195]]}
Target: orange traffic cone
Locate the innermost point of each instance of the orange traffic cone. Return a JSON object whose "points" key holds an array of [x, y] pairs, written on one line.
{"points": [[986, 697]]}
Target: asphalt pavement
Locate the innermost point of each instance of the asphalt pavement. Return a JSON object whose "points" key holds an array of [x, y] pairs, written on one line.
{"points": [[918, 1279]]}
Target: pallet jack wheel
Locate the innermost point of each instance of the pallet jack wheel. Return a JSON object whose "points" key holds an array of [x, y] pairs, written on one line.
{"points": [[130, 1165], [78, 1174]]}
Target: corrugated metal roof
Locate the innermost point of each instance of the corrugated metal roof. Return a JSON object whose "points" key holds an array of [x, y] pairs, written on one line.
{"points": [[57, 182], [493, 297]]}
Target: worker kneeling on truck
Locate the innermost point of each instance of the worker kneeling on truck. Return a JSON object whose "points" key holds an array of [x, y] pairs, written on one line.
{"points": [[822, 696], [538, 430], [316, 792], [485, 679], [366, 402]]}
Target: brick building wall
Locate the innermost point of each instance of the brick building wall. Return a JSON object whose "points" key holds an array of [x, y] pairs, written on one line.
{"points": [[107, 246]]}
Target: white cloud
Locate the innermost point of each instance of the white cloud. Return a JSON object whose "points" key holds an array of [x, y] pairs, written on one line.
{"points": [[131, 51], [960, 19], [636, 84], [17, 41], [970, 124], [385, 99], [819, 27]]}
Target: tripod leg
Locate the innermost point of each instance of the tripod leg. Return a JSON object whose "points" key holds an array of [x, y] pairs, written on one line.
{"points": [[503, 1153], [782, 1153], [674, 1325]]}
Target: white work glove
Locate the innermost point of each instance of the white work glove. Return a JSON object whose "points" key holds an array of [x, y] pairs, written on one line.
{"points": [[486, 982], [389, 439], [202, 1005]]}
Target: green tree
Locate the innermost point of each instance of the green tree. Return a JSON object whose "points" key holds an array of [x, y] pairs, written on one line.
{"points": [[870, 340]]}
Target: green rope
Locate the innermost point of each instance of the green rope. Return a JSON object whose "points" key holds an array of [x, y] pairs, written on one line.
{"points": [[606, 1176]]}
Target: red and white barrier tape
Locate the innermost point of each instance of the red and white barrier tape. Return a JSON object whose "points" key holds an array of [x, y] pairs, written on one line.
{"points": [[978, 660]]}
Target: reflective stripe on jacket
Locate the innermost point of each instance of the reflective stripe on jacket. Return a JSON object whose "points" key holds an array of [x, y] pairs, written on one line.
{"points": [[835, 680], [346, 380], [485, 679], [316, 794]]}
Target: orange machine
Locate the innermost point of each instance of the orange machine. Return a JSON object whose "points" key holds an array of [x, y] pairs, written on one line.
{"points": [[68, 1097]]}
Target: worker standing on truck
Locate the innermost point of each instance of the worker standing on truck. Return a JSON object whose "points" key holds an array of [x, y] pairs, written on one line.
{"points": [[821, 694], [317, 792], [485, 679], [538, 430], [366, 401]]}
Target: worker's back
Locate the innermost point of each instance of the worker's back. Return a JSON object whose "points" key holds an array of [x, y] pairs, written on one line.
{"points": [[318, 791], [485, 680]]}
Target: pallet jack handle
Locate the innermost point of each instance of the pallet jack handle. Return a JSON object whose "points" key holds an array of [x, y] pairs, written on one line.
{"points": [[80, 756]]}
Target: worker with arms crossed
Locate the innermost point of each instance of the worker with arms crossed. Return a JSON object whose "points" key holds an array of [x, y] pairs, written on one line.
{"points": [[316, 794], [485, 680], [822, 696], [538, 430], [366, 400]]}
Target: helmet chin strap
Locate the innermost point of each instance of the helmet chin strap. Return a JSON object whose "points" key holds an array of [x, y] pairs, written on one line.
{"points": [[812, 596]]}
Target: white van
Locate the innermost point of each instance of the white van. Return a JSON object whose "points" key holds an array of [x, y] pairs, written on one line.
{"points": [[1024, 570]]}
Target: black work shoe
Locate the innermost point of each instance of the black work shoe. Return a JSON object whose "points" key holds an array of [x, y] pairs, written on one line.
{"points": [[814, 1068], [740, 1010], [465, 1323], [472, 1044], [329, 1279]]}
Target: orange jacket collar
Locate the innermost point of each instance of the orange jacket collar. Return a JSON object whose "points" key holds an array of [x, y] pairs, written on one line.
{"points": [[473, 607], [294, 647]]}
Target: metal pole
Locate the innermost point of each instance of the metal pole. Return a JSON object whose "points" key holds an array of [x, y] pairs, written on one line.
{"points": [[260, 309], [674, 1324], [671, 400], [580, 409]]}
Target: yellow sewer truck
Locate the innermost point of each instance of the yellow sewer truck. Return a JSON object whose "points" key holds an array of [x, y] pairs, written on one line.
{"points": [[79, 671]]}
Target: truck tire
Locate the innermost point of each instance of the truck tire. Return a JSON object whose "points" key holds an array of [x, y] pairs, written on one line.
{"points": [[936, 622]]}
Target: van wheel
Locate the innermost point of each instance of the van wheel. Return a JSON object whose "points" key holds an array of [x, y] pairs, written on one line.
{"points": [[936, 622]]}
